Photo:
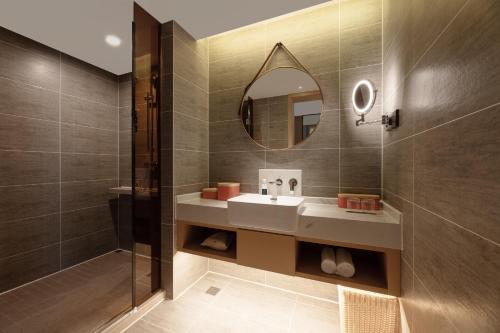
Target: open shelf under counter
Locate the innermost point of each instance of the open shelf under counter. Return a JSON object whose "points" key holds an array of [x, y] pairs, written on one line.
{"points": [[192, 234]]}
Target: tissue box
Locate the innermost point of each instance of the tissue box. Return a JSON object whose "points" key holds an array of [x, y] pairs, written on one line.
{"points": [[228, 190], [209, 193]]}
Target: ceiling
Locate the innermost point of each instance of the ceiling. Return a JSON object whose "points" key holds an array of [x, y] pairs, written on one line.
{"points": [[78, 27]]}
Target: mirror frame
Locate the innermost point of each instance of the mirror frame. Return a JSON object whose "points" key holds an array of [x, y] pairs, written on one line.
{"points": [[263, 72], [373, 96]]}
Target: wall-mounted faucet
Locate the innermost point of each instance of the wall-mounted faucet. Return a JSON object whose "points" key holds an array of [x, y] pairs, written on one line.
{"points": [[293, 183], [274, 188]]}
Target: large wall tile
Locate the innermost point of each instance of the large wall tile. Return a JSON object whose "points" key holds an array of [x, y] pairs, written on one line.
{"points": [[398, 168], [80, 249], [79, 139], [77, 195], [394, 14], [237, 71], [85, 221], [230, 136], [361, 46], [358, 13], [28, 101], [241, 167], [88, 167], [405, 207], [319, 167], [29, 266], [26, 61], [190, 133], [18, 134], [28, 234], [125, 119], [459, 74], [190, 167], [352, 136], [190, 65], [17, 202], [125, 90], [360, 167], [83, 80], [190, 99], [76, 111], [447, 259], [472, 178], [199, 46], [238, 43], [19, 168], [225, 104]]}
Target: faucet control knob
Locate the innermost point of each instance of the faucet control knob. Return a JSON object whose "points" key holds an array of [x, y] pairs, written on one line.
{"points": [[279, 181], [292, 182]]}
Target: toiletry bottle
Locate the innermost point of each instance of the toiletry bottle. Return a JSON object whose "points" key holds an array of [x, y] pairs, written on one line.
{"points": [[264, 187]]}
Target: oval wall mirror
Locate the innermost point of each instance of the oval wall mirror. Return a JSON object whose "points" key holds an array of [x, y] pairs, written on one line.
{"points": [[281, 108], [363, 97]]}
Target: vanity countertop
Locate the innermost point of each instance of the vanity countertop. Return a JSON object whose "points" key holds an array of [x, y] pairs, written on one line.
{"points": [[319, 218]]}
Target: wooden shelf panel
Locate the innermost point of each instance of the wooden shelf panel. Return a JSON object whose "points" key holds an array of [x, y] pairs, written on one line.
{"points": [[190, 236], [370, 271], [195, 248]]}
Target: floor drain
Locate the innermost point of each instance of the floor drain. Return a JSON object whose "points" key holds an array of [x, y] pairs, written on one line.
{"points": [[213, 291]]}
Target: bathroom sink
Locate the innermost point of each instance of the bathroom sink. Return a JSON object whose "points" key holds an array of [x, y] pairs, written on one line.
{"points": [[257, 211]]}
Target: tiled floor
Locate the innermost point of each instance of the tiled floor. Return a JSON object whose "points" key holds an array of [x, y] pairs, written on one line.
{"points": [[239, 307], [79, 299]]}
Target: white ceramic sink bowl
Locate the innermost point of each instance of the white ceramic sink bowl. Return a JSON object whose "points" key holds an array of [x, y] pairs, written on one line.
{"points": [[257, 211]]}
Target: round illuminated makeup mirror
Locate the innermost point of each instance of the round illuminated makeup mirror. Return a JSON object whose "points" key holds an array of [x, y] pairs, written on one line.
{"points": [[363, 97]]}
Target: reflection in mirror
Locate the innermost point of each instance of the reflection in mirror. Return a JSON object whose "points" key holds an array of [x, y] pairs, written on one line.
{"points": [[282, 108], [363, 97]]}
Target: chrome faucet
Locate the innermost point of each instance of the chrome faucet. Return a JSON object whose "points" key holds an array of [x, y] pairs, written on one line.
{"points": [[274, 188]]}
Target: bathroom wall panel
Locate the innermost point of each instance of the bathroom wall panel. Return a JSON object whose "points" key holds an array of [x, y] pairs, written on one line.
{"points": [[360, 167], [440, 251], [24, 168], [443, 82], [28, 101], [314, 37], [20, 61], [77, 111], [83, 248], [361, 46], [33, 113], [17, 133], [472, 178], [352, 136], [28, 234], [26, 267], [184, 143], [82, 80], [95, 219], [18, 202]]}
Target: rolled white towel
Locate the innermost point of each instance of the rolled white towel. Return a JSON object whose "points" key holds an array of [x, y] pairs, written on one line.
{"points": [[328, 264], [345, 266]]}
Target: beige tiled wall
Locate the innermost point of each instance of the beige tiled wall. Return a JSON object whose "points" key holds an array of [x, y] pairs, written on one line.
{"points": [[184, 144], [441, 167], [338, 43]]}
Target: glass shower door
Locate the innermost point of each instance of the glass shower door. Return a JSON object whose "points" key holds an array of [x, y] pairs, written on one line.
{"points": [[146, 209]]}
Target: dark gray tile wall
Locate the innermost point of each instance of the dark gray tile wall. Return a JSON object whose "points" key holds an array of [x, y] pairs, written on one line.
{"points": [[184, 130], [338, 46], [441, 167], [59, 156]]}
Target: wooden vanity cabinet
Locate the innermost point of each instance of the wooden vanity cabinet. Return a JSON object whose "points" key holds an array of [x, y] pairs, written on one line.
{"points": [[267, 251]]}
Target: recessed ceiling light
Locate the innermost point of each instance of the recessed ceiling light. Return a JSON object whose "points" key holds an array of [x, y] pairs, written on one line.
{"points": [[113, 40], [300, 87]]}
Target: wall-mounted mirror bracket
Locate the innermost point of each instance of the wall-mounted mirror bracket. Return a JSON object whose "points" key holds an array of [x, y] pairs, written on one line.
{"points": [[390, 121]]}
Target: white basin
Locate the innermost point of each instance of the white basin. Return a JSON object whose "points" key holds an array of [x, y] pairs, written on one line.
{"points": [[257, 211]]}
